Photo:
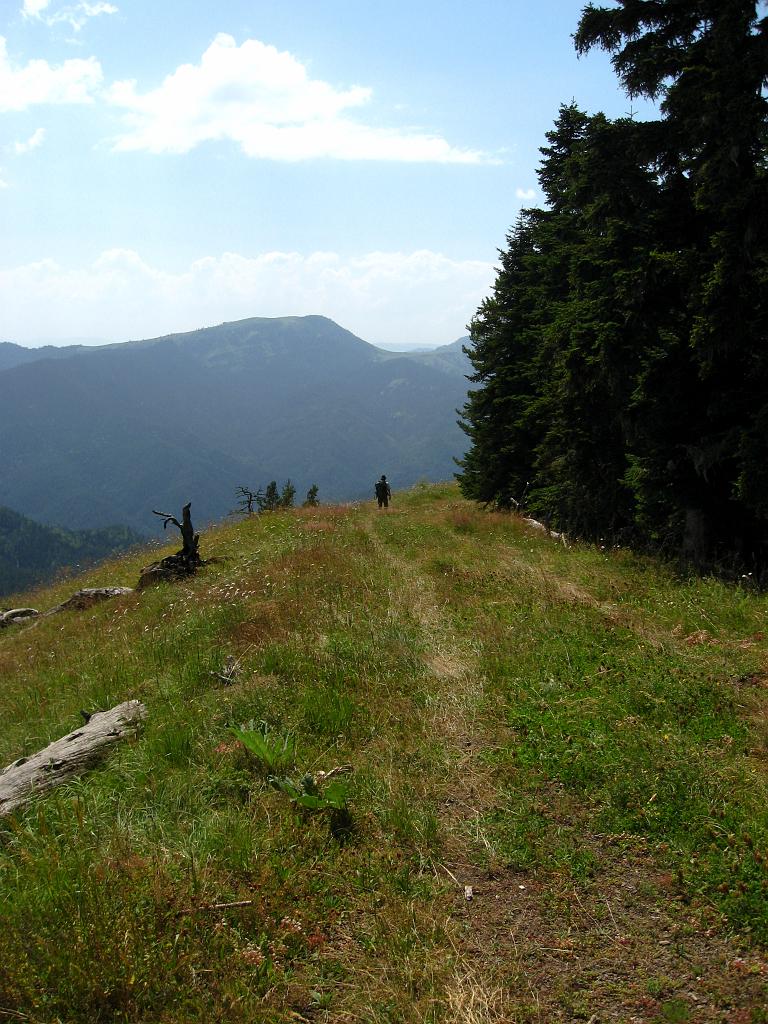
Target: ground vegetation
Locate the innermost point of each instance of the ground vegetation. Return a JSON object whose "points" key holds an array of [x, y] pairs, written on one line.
{"points": [[425, 766]]}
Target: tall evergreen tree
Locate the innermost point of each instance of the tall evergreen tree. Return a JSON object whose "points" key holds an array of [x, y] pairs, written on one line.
{"points": [[593, 341], [621, 360], [706, 62], [287, 495], [500, 415], [312, 500], [270, 500], [505, 417]]}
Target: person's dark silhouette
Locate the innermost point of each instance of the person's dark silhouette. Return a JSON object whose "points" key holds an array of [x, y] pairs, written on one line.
{"points": [[383, 493]]}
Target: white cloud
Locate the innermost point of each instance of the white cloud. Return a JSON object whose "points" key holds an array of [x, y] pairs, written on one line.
{"points": [[74, 81], [420, 297], [36, 139], [77, 15], [525, 193], [264, 100], [32, 8], [3, 184], [74, 15]]}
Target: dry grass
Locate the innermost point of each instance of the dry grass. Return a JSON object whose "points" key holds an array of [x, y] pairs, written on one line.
{"points": [[470, 1001]]}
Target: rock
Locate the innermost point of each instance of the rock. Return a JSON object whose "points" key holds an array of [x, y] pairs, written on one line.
{"points": [[14, 615], [89, 596]]}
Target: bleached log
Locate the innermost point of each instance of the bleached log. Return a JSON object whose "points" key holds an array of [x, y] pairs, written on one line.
{"points": [[69, 756], [542, 526], [14, 615]]}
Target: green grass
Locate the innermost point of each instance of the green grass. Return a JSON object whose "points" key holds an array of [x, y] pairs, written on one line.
{"points": [[592, 702], [655, 735]]}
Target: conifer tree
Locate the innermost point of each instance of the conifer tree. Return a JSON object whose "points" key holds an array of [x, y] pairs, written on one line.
{"points": [[270, 501], [621, 362], [706, 61], [311, 499], [603, 203], [500, 414], [287, 495]]}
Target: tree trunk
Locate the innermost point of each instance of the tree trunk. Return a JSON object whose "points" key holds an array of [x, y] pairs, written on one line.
{"points": [[188, 536]]}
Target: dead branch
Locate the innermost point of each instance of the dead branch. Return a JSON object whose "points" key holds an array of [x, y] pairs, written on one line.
{"points": [[167, 517], [190, 539], [215, 906], [228, 674]]}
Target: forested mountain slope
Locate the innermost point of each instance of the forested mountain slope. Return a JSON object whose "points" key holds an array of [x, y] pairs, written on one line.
{"points": [[546, 801], [30, 553]]}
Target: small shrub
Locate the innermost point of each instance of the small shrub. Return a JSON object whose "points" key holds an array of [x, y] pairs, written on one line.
{"points": [[306, 793]]}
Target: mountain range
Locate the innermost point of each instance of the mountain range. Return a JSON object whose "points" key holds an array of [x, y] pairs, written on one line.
{"points": [[91, 436]]}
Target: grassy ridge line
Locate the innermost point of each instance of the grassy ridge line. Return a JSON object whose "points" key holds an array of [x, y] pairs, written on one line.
{"points": [[415, 647], [93, 879]]}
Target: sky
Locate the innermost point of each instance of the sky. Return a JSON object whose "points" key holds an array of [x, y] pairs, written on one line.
{"points": [[170, 165]]}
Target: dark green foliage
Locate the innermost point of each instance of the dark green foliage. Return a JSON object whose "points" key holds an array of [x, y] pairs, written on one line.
{"points": [[287, 495], [621, 361], [271, 500], [31, 553], [306, 794], [311, 500], [501, 417]]}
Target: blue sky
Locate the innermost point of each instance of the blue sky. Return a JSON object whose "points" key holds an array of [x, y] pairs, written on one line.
{"points": [[169, 165]]}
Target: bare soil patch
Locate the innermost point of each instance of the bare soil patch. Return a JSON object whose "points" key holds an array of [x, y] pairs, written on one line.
{"points": [[627, 946]]}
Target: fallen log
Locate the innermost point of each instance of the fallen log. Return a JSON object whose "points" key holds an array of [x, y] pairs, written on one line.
{"points": [[69, 756], [542, 526], [14, 615], [88, 597]]}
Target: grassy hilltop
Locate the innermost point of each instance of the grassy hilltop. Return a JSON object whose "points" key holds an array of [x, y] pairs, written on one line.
{"points": [[557, 809]]}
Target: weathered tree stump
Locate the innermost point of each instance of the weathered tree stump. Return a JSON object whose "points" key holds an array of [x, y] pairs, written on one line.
{"points": [[183, 563], [68, 757]]}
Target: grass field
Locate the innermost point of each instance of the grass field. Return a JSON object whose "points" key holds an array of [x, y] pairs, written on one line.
{"points": [[554, 802]]}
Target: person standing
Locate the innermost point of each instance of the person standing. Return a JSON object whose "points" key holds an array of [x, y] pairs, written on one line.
{"points": [[383, 493]]}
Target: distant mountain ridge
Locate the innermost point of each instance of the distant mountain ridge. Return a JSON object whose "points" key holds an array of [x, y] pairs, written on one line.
{"points": [[16, 355], [90, 435]]}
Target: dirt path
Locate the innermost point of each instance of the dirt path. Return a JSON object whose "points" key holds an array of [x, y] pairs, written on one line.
{"points": [[626, 944], [454, 716]]}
